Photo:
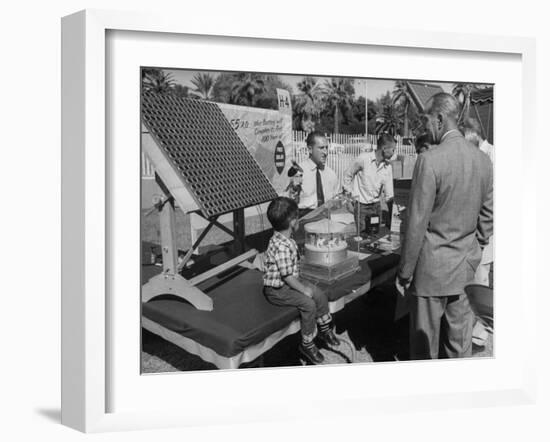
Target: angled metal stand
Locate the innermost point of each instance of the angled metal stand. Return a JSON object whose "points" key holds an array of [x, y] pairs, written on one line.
{"points": [[170, 281]]}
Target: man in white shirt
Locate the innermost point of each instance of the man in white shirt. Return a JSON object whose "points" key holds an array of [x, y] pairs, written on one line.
{"points": [[374, 177], [319, 182], [488, 148]]}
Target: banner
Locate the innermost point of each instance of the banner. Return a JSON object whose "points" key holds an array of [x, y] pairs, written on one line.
{"points": [[267, 134]]}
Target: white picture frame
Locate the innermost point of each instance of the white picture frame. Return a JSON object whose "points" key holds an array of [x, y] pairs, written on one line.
{"points": [[87, 319]]}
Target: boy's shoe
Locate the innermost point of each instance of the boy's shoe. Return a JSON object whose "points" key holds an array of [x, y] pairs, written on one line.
{"points": [[312, 354], [328, 338]]}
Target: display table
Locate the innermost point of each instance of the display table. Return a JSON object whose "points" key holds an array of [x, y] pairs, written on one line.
{"points": [[243, 325]]}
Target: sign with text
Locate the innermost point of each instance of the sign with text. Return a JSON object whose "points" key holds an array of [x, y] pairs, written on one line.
{"points": [[285, 105], [280, 158], [267, 134]]}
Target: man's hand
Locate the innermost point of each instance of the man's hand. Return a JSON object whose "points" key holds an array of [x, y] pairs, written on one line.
{"points": [[308, 291], [402, 284]]}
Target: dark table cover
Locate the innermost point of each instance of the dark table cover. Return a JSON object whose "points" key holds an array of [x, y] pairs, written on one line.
{"points": [[241, 316]]}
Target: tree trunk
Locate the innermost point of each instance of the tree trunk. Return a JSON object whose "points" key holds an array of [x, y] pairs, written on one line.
{"points": [[336, 122], [406, 128]]}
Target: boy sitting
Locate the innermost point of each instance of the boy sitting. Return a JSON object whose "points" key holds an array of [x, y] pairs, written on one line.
{"points": [[283, 287]]}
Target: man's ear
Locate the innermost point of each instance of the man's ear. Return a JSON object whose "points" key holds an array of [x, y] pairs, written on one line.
{"points": [[440, 120]]}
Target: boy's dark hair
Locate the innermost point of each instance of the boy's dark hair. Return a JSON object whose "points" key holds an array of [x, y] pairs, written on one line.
{"points": [[384, 139], [281, 211]]}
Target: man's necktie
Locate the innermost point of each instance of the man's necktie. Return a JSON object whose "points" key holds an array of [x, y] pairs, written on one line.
{"points": [[320, 193]]}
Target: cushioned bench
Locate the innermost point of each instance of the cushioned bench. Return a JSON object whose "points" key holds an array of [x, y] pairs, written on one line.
{"points": [[243, 325]]}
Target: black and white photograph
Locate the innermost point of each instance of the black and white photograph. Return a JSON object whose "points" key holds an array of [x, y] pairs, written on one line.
{"points": [[275, 221], [301, 220]]}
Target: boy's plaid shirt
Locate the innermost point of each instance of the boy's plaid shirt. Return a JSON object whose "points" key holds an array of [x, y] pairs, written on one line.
{"points": [[281, 260]]}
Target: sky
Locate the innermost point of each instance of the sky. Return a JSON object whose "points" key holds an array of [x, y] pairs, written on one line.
{"points": [[375, 87]]}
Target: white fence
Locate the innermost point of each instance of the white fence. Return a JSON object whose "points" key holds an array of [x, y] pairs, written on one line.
{"points": [[343, 149]]}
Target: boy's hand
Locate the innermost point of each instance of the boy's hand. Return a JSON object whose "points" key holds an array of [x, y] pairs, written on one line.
{"points": [[297, 285]]}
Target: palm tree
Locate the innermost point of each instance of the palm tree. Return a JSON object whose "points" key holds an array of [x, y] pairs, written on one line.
{"points": [[247, 89], [401, 95], [309, 103], [203, 85], [338, 93], [387, 120], [156, 80], [463, 93]]}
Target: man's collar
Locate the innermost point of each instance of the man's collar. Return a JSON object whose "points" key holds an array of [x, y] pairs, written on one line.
{"points": [[379, 159], [313, 166], [448, 133]]}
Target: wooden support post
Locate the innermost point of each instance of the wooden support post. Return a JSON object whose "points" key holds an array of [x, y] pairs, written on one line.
{"points": [[223, 228], [238, 231], [190, 252], [239, 234], [169, 282], [168, 237]]}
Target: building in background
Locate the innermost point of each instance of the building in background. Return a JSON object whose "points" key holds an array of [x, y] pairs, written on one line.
{"points": [[481, 108]]}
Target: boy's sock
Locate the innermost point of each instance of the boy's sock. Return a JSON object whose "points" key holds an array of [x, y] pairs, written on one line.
{"points": [[324, 323], [308, 339], [326, 334]]}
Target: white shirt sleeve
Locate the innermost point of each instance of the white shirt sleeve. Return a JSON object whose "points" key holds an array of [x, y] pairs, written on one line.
{"points": [[334, 184], [350, 173], [389, 182]]}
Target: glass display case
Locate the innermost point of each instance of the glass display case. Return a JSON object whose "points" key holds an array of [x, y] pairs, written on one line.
{"points": [[324, 235], [325, 242]]}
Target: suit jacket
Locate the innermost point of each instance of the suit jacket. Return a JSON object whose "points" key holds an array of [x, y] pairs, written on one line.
{"points": [[450, 215]]}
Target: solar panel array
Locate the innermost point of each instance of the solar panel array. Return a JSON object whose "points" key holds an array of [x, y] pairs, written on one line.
{"points": [[215, 165]]}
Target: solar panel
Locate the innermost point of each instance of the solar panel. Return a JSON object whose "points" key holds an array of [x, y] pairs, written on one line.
{"points": [[214, 164]]}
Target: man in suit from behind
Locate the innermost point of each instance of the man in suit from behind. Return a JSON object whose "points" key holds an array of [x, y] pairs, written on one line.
{"points": [[450, 221]]}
